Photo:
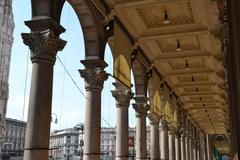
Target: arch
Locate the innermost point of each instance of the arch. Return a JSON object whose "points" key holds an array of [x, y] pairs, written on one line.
{"points": [[140, 79], [46, 8], [93, 29], [89, 16]]}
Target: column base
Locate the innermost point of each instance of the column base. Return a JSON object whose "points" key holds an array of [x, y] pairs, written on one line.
{"points": [[91, 156], [36, 154], [122, 158], [141, 158]]}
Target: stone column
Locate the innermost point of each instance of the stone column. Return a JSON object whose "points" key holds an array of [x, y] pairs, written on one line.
{"points": [[164, 147], [209, 147], [171, 142], [177, 145], [94, 77], [44, 45], [190, 142], [182, 132], [123, 95], [202, 146], [187, 155], [194, 144], [154, 121], [172, 129], [141, 107], [197, 145]]}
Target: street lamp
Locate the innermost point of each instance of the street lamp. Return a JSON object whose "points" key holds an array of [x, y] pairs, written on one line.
{"points": [[55, 121]]}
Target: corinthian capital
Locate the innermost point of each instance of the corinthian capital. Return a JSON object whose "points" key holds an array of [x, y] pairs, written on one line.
{"points": [[122, 94], [44, 45], [94, 77], [94, 74], [141, 107]]}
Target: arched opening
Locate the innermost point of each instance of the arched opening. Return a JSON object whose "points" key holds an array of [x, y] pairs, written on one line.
{"points": [[68, 87]]}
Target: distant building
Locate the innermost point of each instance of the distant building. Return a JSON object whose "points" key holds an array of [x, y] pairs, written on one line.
{"points": [[6, 41], [108, 142], [66, 144], [13, 146]]}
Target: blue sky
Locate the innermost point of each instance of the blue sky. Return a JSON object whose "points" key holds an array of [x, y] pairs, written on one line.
{"points": [[68, 102]]}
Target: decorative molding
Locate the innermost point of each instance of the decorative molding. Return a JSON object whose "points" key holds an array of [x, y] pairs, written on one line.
{"points": [[122, 94], [94, 74], [141, 107]]}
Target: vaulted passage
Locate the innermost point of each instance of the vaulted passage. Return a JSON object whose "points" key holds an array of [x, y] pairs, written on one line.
{"points": [[184, 58]]}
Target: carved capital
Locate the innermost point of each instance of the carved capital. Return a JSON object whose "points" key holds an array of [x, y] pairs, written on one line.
{"points": [[94, 78], [163, 124], [141, 107], [172, 129], [178, 133], [44, 45], [122, 94], [154, 119]]}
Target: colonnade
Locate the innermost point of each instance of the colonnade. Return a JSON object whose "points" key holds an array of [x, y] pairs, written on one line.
{"points": [[169, 141]]}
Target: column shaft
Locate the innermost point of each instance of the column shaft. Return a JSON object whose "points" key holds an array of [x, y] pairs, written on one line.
{"points": [[122, 134], [141, 140], [123, 95], [92, 125], [187, 155], [155, 141], [177, 147], [171, 142], [183, 148], [141, 107], [39, 112], [94, 76], [190, 148], [198, 153], [209, 148], [164, 148], [44, 46]]}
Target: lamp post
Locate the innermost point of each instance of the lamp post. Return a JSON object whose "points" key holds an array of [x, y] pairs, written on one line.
{"points": [[56, 120]]}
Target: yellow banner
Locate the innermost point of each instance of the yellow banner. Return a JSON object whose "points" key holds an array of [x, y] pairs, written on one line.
{"points": [[122, 50], [167, 111], [155, 98], [175, 118]]}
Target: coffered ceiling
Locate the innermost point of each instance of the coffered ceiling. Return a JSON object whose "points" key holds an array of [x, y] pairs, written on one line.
{"points": [[182, 39]]}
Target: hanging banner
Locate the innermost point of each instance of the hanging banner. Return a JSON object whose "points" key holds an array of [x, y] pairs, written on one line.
{"points": [[122, 50], [167, 105], [155, 98], [167, 111], [175, 118]]}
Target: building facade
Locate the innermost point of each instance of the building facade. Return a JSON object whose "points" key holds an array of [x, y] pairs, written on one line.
{"points": [[6, 41], [66, 144], [108, 143], [14, 140]]}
